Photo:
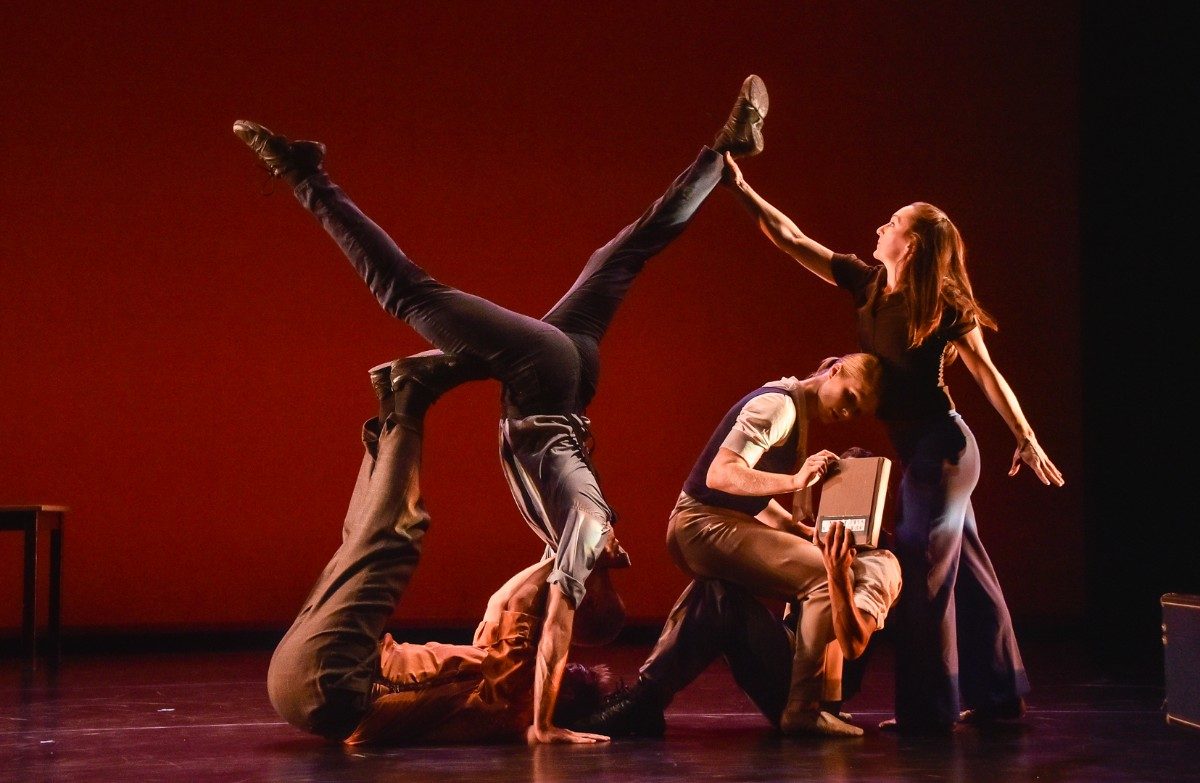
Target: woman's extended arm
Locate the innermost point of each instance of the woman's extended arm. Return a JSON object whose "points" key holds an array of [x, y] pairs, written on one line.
{"points": [[975, 356], [778, 227]]}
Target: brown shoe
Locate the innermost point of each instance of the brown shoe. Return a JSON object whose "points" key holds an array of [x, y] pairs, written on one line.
{"points": [[381, 382], [742, 134], [293, 161], [420, 380]]}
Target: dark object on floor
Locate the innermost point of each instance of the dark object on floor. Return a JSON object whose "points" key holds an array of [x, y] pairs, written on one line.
{"points": [[34, 521], [1181, 657]]}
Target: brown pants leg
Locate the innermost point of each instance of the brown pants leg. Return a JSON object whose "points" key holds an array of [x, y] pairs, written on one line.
{"points": [[321, 672], [716, 543]]}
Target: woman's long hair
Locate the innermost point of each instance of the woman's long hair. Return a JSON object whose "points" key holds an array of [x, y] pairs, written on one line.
{"points": [[934, 275]]}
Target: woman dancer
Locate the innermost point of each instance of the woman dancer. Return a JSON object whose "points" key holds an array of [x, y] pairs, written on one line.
{"points": [[916, 311]]}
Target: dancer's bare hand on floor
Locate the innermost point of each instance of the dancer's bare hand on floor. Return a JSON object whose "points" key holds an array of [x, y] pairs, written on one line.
{"points": [[556, 736]]}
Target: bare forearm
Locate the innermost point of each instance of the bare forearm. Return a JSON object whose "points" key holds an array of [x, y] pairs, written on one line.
{"points": [[1000, 395], [744, 480], [851, 626], [978, 361], [1002, 398], [551, 658], [784, 233], [778, 227]]}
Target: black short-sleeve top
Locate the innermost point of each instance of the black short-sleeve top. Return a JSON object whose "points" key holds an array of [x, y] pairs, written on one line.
{"points": [[913, 387]]}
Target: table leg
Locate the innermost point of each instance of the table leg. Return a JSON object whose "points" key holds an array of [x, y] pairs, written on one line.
{"points": [[29, 604], [55, 634]]}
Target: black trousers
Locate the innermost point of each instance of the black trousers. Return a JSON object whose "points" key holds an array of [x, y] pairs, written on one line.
{"points": [[547, 366], [714, 618]]}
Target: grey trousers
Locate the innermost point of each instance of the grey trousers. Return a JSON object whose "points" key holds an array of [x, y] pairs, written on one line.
{"points": [[321, 674]]}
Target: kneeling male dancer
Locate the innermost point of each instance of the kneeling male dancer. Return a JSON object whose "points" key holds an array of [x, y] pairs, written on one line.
{"points": [[727, 526], [333, 676], [714, 618], [548, 368]]}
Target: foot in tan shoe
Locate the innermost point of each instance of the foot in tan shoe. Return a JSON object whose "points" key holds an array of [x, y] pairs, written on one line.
{"points": [[292, 161], [742, 135], [816, 723]]}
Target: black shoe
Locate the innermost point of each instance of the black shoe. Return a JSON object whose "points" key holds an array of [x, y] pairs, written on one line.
{"points": [[630, 712], [293, 161], [418, 381], [742, 134]]}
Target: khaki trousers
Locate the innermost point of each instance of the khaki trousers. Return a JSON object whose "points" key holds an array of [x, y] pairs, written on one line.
{"points": [[321, 674], [709, 542]]}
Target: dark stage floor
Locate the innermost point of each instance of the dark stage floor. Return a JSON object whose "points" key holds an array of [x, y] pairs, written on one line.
{"points": [[202, 717]]}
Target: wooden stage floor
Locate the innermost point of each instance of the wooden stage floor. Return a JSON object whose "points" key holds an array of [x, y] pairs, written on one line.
{"points": [[205, 717]]}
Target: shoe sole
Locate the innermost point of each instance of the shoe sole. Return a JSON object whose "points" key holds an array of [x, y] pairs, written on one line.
{"points": [[251, 132], [754, 90]]}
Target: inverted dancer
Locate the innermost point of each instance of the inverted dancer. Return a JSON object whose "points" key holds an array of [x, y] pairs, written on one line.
{"points": [[916, 311], [548, 368], [334, 676]]}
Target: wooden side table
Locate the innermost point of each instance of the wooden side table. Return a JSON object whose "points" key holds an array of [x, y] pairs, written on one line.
{"points": [[33, 520]]}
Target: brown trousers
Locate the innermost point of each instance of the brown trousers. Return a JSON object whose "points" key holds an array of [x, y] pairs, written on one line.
{"points": [[321, 674], [709, 542]]}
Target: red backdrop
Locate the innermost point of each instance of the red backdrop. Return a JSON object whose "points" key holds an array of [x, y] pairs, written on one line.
{"points": [[183, 358]]}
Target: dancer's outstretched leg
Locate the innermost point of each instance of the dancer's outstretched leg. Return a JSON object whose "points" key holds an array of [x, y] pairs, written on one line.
{"points": [[588, 307], [534, 360]]}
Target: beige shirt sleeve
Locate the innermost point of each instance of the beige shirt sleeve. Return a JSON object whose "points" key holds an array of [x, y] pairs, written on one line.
{"points": [[876, 583], [762, 423]]}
